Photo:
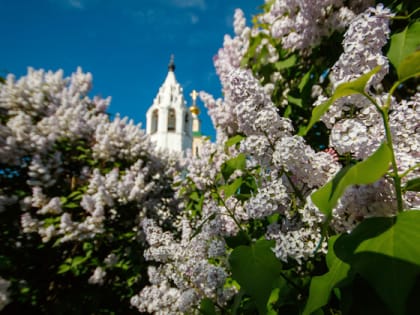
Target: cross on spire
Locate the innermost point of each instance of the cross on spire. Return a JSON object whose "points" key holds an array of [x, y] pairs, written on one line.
{"points": [[171, 65], [194, 95]]}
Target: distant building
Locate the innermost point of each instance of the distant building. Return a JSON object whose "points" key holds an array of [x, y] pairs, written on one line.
{"points": [[170, 124], [198, 138]]}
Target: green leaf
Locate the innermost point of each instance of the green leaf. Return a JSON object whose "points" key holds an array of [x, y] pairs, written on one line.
{"points": [[240, 239], [386, 252], [305, 80], [207, 307], [236, 163], [230, 190], [362, 173], [294, 100], [287, 63], [409, 66], [234, 140], [71, 205], [322, 286], [76, 195], [412, 185], [403, 44], [256, 269], [63, 268], [345, 89], [78, 260]]}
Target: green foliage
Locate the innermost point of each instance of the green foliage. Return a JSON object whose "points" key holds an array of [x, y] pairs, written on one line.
{"points": [[403, 44], [256, 269], [356, 86], [412, 185], [230, 166], [234, 140], [207, 307], [322, 286], [384, 251], [409, 66], [362, 173]]}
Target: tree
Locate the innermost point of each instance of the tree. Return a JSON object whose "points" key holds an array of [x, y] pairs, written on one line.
{"points": [[74, 188]]}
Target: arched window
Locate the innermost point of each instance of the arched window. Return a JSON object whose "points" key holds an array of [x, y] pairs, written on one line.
{"points": [[171, 120], [155, 120], [186, 123]]}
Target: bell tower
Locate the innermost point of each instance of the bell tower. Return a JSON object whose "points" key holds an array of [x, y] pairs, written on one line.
{"points": [[198, 138], [168, 120]]}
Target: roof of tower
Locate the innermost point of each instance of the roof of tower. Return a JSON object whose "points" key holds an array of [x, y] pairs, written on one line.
{"points": [[171, 65], [170, 93]]}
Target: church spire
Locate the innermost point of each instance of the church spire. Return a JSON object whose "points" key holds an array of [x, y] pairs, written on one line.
{"points": [[169, 122], [194, 108], [171, 65]]}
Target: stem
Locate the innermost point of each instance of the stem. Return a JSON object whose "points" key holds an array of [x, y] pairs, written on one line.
{"points": [[406, 17], [297, 191], [385, 118], [300, 289], [231, 214], [396, 177], [409, 170]]}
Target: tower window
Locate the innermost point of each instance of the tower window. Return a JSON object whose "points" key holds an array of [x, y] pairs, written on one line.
{"points": [[171, 120], [155, 119], [186, 123]]}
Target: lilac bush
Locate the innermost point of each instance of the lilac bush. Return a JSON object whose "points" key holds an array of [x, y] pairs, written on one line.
{"points": [[75, 187], [297, 124]]}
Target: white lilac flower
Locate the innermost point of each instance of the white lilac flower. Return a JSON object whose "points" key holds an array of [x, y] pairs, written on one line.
{"points": [[298, 244], [363, 41], [301, 25], [307, 166], [98, 276], [270, 199], [364, 201], [4, 294]]}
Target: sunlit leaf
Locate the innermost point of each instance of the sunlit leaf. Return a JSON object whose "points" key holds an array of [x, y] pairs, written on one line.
{"points": [[387, 254], [362, 173], [236, 163], [403, 44], [409, 66], [322, 286], [412, 185], [231, 189], [345, 89], [384, 251], [287, 63], [234, 140]]}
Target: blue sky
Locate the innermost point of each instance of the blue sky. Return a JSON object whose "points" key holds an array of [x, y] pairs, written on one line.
{"points": [[125, 44]]}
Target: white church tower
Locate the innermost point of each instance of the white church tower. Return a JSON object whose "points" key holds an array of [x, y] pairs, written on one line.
{"points": [[168, 120]]}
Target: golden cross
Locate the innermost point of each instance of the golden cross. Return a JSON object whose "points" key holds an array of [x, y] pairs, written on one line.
{"points": [[194, 95]]}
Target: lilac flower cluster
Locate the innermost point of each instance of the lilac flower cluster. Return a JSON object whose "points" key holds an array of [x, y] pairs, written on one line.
{"points": [[185, 275], [357, 127], [301, 25]]}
